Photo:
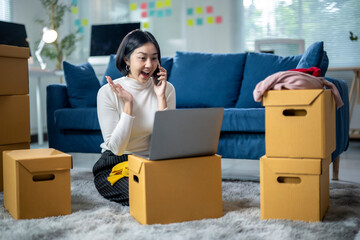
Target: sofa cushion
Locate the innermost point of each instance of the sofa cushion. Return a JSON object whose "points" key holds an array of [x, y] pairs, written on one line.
{"points": [[313, 56], [243, 120], [258, 66], [82, 84], [77, 118], [113, 72], [207, 80]]}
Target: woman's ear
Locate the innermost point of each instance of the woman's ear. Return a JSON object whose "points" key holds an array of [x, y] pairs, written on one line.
{"points": [[126, 61]]}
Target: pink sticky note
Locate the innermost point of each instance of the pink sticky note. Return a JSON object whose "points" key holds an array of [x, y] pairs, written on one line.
{"points": [[209, 9], [218, 19], [144, 14], [143, 5]]}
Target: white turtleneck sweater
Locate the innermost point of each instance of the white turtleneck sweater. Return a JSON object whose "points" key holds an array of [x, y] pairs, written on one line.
{"points": [[123, 133]]}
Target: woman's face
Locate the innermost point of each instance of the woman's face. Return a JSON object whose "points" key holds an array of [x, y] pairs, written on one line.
{"points": [[143, 62]]}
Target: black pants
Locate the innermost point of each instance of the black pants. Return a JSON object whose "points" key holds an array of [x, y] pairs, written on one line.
{"points": [[119, 192]]}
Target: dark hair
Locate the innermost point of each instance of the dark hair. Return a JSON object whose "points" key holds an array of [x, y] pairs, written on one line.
{"points": [[132, 41]]}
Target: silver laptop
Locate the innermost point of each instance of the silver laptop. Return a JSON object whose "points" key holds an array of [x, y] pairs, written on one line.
{"points": [[184, 133]]}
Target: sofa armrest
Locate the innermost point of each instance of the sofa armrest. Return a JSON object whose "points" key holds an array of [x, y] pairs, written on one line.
{"points": [[56, 98], [342, 118]]}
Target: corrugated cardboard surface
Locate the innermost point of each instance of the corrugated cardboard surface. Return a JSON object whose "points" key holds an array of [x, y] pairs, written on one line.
{"points": [[175, 190], [5, 148], [294, 189], [301, 136], [14, 119], [37, 183], [14, 76]]}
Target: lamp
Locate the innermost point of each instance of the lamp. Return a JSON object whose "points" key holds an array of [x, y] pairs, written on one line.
{"points": [[49, 36]]}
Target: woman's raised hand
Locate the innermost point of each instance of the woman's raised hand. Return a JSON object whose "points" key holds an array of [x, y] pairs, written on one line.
{"points": [[119, 90]]}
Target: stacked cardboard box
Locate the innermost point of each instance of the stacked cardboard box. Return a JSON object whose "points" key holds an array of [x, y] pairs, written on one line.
{"points": [[300, 137], [175, 190], [14, 101]]}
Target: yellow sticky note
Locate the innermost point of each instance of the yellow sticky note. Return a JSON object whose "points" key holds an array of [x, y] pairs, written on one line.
{"points": [[133, 6], [85, 22], [190, 22], [210, 20], [146, 25], [198, 10], [167, 3], [159, 4], [74, 10]]}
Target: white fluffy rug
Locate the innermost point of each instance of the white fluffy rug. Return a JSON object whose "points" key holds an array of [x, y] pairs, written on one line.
{"points": [[96, 218]]}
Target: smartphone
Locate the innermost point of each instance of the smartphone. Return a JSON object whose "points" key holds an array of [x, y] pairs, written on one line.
{"points": [[155, 76]]}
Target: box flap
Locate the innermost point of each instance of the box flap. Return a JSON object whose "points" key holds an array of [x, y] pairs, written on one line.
{"points": [[298, 97], [42, 160], [294, 165], [14, 51], [135, 164]]}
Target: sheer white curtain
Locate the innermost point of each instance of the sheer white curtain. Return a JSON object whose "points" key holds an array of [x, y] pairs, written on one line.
{"points": [[312, 20], [5, 10]]}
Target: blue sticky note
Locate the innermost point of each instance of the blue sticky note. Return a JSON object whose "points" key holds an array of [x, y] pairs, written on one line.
{"points": [[168, 12], [190, 11], [74, 2], [199, 21], [81, 30], [160, 13], [152, 13], [151, 5], [77, 22]]}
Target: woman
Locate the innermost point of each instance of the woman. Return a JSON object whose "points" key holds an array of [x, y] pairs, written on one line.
{"points": [[126, 109]]}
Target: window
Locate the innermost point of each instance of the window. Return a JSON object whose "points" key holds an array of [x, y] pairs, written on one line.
{"points": [[5, 10], [312, 20]]}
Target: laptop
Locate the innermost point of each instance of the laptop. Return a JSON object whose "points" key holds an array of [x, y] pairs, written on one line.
{"points": [[184, 133]]}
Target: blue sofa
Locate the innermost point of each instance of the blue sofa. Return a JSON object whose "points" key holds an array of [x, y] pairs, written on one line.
{"points": [[200, 80]]}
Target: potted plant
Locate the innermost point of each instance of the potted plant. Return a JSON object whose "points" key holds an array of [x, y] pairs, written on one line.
{"points": [[62, 47]]}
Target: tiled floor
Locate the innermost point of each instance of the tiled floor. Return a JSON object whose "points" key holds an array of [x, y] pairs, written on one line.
{"points": [[247, 169]]}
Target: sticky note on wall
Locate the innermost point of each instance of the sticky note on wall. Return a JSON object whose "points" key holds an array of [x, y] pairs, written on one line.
{"points": [[198, 10], [167, 3], [210, 20], [146, 25], [190, 22], [159, 4], [218, 19], [133, 6]]}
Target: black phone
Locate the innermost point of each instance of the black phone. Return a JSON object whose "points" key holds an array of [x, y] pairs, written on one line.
{"points": [[155, 76]]}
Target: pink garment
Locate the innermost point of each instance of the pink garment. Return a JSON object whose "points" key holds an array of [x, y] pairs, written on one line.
{"points": [[294, 80]]}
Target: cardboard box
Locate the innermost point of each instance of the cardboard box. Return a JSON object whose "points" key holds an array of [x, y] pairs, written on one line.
{"points": [[294, 189], [176, 190], [37, 183], [14, 119], [5, 148], [299, 123], [14, 73]]}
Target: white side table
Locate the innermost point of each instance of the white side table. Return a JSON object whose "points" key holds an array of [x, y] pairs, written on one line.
{"points": [[39, 74], [354, 95]]}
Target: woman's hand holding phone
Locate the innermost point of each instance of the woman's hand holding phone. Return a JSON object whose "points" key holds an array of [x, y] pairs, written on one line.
{"points": [[159, 80]]}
